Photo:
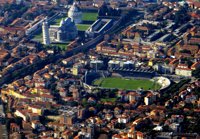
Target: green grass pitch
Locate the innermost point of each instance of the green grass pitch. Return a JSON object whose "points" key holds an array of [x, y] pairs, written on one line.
{"points": [[128, 84]]}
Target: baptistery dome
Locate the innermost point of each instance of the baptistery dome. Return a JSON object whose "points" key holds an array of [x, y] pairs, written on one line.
{"points": [[75, 14]]}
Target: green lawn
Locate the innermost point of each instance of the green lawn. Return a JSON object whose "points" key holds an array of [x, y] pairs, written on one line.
{"points": [[122, 83], [38, 37], [89, 16], [98, 82], [82, 27]]}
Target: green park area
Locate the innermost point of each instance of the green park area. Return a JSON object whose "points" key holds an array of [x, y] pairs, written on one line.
{"points": [[82, 27], [128, 84], [38, 37], [89, 16]]}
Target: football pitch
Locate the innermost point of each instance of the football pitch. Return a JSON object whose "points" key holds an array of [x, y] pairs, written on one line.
{"points": [[128, 84]]}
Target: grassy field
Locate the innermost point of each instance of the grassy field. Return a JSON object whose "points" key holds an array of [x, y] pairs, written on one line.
{"points": [[82, 27], [38, 37], [122, 83], [88, 16]]}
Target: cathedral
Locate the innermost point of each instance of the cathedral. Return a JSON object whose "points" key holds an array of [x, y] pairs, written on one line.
{"points": [[64, 32]]}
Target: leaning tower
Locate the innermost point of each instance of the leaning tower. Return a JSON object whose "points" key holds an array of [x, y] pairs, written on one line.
{"points": [[75, 13], [45, 33]]}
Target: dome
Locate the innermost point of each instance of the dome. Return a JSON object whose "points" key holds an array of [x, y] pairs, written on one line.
{"points": [[66, 31], [75, 14]]}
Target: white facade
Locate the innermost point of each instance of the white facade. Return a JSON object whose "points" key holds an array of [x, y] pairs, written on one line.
{"points": [[114, 64], [163, 68], [183, 71], [33, 27], [162, 81], [123, 119], [148, 100], [19, 114], [96, 64]]}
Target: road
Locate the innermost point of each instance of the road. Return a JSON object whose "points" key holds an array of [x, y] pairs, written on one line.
{"points": [[3, 132]]}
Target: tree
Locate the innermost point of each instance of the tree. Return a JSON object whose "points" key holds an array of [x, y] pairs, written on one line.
{"points": [[103, 10], [108, 11], [18, 121], [196, 73], [185, 51], [119, 45], [181, 16]]}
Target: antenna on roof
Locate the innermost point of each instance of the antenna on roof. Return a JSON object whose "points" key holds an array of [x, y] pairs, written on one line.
{"points": [[86, 77], [180, 61]]}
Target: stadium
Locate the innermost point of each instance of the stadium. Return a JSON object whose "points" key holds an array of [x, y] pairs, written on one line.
{"points": [[106, 80]]}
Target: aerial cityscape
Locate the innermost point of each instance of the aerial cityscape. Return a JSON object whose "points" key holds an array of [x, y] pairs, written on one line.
{"points": [[99, 69]]}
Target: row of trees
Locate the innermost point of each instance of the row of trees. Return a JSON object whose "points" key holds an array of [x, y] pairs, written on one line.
{"points": [[173, 90], [12, 11], [181, 16], [108, 11]]}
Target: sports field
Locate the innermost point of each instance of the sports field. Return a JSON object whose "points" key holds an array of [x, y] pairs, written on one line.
{"points": [[129, 84]]}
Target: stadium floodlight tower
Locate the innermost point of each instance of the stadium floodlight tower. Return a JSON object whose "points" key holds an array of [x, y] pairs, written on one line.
{"points": [[86, 77]]}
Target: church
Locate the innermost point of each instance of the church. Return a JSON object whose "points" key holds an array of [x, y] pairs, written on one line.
{"points": [[64, 32]]}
